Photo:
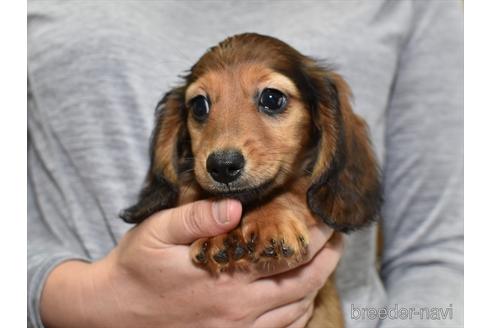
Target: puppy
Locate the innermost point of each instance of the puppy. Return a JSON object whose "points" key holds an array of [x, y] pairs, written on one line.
{"points": [[257, 121]]}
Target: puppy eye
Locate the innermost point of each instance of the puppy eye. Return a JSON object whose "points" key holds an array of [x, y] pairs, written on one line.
{"points": [[272, 101], [200, 108]]}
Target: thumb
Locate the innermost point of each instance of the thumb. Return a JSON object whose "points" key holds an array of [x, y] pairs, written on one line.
{"points": [[204, 218]]}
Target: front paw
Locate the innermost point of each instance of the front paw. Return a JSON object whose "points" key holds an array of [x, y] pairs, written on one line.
{"points": [[273, 241], [265, 242]]}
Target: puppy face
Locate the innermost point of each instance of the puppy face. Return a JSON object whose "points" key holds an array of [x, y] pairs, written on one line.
{"points": [[248, 128], [252, 115]]}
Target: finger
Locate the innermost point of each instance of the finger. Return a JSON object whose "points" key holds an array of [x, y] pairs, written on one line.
{"points": [[295, 284], [304, 319], [285, 315], [319, 234], [184, 224]]}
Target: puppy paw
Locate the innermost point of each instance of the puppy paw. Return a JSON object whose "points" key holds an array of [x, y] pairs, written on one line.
{"points": [[271, 242], [266, 243]]}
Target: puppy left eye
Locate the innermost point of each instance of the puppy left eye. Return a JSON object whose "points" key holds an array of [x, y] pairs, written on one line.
{"points": [[272, 101], [200, 108]]}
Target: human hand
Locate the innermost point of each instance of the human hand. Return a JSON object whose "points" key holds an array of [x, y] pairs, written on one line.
{"points": [[148, 280]]}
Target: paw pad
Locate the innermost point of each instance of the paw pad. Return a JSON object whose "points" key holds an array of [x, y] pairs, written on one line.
{"points": [[221, 256]]}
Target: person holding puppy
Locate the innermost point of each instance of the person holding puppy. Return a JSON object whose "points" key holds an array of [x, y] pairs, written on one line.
{"points": [[95, 72]]}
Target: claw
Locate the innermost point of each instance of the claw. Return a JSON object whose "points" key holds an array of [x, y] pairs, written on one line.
{"points": [[269, 252], [251, 245], [302, 240], [201, 257], [286, 250]]}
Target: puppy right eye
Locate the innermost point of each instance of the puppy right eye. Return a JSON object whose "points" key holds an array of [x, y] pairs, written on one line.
{"points": [[200, 108], [272, 101]]}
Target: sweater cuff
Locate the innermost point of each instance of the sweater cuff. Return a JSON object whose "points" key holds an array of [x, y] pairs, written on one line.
{"points": [[36, 285]]}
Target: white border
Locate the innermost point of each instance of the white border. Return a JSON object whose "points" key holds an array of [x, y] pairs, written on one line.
{"points": [[478, 164], [13, 180]]}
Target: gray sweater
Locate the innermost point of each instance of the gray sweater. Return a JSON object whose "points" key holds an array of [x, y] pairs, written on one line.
{"points": [[97, 69]]}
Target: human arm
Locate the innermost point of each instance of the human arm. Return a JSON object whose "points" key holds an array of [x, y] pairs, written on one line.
{"points": [[149, 280], [50, 239]]}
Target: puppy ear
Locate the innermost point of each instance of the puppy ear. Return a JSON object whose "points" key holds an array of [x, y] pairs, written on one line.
{"points": [[345, 190], [168, 156]]}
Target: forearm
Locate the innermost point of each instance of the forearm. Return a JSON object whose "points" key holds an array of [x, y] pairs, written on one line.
{"points": [[71, 296]]}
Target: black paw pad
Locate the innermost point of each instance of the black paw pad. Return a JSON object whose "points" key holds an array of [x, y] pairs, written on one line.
{"points": [[221, 256], [239, 251]]}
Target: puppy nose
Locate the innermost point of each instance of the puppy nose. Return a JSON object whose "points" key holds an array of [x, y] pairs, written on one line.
{"points": [[225, 166]]}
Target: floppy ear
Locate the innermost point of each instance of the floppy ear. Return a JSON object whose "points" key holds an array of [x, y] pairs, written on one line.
{"points": [[345, 191], [169, 151]]}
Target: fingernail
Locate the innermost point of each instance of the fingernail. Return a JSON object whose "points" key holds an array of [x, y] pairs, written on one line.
{"points": [[220, 211]]}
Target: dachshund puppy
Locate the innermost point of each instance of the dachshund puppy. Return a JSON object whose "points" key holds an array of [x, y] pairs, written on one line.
{"points": [[257, 121]]}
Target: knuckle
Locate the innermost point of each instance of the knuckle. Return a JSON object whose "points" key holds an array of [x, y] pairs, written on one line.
{"points": [[304, 306], [229, 308], [303, 319], [306, 310], [315, 280], [310, 310], [225, 282], [235, 314], [299, 311]]}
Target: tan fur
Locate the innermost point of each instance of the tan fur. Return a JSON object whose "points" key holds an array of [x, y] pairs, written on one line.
{"points": [[328, 310]]}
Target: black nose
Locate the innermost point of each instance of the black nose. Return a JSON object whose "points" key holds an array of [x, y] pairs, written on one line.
{"points": [[225, 166]]}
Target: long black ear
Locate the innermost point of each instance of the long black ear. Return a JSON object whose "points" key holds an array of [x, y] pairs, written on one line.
{"points": [[169, 150], [345, 191]]}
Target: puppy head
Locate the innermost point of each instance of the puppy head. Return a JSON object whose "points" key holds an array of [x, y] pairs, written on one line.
{"points": [[248, 127], [253, 115]]}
